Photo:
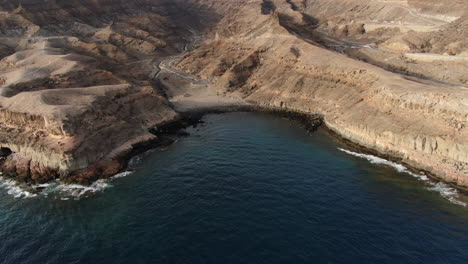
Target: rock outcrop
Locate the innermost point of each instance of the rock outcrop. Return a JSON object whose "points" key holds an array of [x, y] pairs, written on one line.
{"points": [[83, 82], [424, 125], [76, 89]]}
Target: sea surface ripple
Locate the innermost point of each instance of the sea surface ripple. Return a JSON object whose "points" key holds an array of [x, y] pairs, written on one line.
{"points": [[242, 188]]}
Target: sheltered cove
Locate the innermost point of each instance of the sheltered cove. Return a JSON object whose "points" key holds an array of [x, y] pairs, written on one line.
{"points": [[92, 99]]}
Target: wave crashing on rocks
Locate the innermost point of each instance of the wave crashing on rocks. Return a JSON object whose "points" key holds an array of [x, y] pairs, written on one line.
{"points": [[444, 189], [57, 190]]}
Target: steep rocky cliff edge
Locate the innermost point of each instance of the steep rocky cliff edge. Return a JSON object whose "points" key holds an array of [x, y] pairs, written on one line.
{"points": [[82, 82]]}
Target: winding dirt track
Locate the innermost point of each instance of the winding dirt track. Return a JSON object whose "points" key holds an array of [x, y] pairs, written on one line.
{"points": [[414, 13]]}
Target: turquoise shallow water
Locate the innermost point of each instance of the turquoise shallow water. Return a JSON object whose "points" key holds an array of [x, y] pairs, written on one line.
{"points": [[243, 188]]}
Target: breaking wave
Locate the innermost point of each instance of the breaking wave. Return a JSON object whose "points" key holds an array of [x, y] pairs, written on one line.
{"points": [[447, 192], [444, 189], [15, 189], [56, 189]]}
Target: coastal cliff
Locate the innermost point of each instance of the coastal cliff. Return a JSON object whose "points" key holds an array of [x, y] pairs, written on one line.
{"points": [[421, 124], [76, 86], [83, 84], [62, 133]]}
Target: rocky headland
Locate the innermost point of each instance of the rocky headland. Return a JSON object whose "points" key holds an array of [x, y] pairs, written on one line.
{"points": [[84, 83]]}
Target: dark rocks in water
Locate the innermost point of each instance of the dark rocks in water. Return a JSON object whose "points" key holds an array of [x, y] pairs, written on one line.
{"points": [[26, 171], [177, 127], [182, 133], [99, 170], [311, 122], [4, 152], [108, 168]]}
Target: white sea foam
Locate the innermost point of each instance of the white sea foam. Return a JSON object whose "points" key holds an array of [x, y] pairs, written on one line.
{"points": [[445, 190], [78, 191], [121, 175], [14, 189], [58, 190], [376, 160], [134, 161]]}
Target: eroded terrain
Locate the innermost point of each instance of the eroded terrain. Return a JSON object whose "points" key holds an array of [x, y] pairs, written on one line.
{"points": [[84, 82]]}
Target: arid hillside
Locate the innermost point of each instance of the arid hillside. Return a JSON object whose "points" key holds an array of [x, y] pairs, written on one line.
{"points": [[73, 74], [286, 62], [82, 83]]}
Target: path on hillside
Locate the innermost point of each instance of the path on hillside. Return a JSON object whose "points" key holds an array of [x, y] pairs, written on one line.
{"points": [[414, 13], [197, 93]]}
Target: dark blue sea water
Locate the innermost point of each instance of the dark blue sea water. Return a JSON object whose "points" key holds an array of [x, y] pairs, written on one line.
{"points": [[243, 188]]}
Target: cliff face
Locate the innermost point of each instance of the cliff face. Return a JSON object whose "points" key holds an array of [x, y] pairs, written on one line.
{"points": [[76, 82], [386, 33], [59, 131], [82, 82], [423, 124]]}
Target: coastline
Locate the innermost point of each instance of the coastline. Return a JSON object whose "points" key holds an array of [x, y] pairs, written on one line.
{"points": [[169, 132], [234, 131], [356, 147]]}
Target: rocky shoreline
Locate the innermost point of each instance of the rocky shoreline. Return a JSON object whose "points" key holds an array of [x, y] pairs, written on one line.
{"points": [[168, 132], [355, 147], [164, 135], [77, 100], [373, 107]]}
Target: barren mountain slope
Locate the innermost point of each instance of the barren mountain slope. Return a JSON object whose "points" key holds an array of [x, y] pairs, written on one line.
{"points": [[386, 33], [76, 81], [424, 125], [83, 81]]}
